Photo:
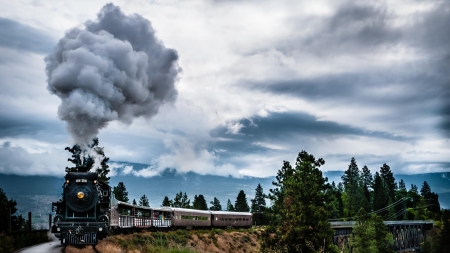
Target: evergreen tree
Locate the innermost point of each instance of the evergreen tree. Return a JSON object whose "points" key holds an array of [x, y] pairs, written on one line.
{"points": [[167, 202], [199, 203], [370, 235], [17, 221], [367, 180], [382, 236], [431, 199], [401, 193], [103, 169], [302, 224], [241, 205], [143, 201], [353, 189], [120, 192], [177, 200], [335, 205], [388, 181], [258, 205], [363, 238], [134, 202], [380, 197], [185, 202], [259, 202], [215, 205], [444, 242], [230, 206], [84, 160], [425, 191]]}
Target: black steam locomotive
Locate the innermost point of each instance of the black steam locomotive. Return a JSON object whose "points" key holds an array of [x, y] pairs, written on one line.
{"points": [[82, 215]]}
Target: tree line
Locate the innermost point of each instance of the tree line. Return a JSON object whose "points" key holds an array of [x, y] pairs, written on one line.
{"points": [[380, 193]]}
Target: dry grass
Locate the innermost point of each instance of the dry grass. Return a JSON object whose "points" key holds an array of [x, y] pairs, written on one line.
{"points": [[86, 249], [203, 241], [226, 242]]}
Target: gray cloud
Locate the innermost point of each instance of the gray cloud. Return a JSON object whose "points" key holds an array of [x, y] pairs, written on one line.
{"points": [[17, 160], [114, 69], [23, 37], [418, 87], [285, 127]]}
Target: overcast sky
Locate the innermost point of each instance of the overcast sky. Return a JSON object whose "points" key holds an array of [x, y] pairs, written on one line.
{"points": [[258, 82]]}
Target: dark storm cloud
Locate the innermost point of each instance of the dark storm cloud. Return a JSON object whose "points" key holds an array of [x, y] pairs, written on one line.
{"points": [[287, 126], [432, 35], [367, 30], [18, 36], [114, 69], [354, 28], [26, 125]]}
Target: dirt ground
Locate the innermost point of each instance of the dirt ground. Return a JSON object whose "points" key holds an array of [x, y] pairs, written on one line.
{"points": [[225, 242]]}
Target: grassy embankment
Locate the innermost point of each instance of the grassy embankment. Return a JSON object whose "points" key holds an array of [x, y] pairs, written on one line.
{"points": [[180, 241]]}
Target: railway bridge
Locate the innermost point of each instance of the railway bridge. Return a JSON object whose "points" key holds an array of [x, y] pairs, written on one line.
{"points": [[407, 234]]}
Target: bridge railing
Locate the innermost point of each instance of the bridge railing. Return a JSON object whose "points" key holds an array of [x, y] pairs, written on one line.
{"points": [[347, 224]]}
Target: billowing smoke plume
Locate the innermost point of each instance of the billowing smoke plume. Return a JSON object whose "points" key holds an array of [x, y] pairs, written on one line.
{"points": [[113, 69]]}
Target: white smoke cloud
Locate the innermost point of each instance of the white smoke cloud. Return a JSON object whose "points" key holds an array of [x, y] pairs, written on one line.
{"points": [[113, 69]]}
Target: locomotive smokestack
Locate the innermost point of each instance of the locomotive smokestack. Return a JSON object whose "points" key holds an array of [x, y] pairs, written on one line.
{"points": [[113, 69]]}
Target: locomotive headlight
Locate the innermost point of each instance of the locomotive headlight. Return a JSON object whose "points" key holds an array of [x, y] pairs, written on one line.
{"points": [[100, 229], [67, 181], [80, 195], [95, 181], [58, 229]]}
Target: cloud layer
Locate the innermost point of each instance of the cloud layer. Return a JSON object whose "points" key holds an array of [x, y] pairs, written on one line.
{"points": [[261, 81]]}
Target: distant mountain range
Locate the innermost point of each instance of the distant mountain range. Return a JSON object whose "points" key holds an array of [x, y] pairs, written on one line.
{"points": [[35, 193]]}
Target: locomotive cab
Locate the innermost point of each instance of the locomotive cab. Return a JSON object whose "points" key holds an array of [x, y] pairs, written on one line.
{"points": [[81, 216]]}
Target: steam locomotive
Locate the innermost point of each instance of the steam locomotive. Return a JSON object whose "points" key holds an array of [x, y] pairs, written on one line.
{"points": [[87, 213], [82, 215]]}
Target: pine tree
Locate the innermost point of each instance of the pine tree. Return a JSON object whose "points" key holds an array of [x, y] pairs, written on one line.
{"points": [[103, 169], [363, 238], [167, 202], [241, 205], [177, 200], [389, 181], [302, 224], [380, 197], [370, 235], [259, 202], [425, 191], [199, 203], [401, 194], [185, 202], [258, 205], [134, 202], [215, 205], [353, 189], [230, 206], [120, 192], [84, 160], [143, 201], [335, 205], [367, 181], [17, 221], [444, 242]]}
